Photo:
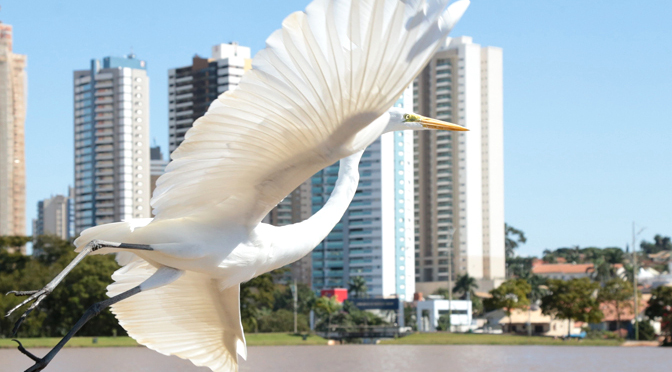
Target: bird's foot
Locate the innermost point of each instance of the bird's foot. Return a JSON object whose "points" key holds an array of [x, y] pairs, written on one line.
{"points": [[40, 363], [35, 296]]}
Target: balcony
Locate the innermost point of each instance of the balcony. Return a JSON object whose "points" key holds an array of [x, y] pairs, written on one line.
{"points": [[104, 156], [103, 92], [102, 100], [104, 140], [105, 148], [105, 164], [104, 116]]}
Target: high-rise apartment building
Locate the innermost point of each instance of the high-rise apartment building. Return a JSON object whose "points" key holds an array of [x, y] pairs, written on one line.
{"points": [[157, 166], [112, 177], [54, 216], [191, 89], [459, 176], [12, 154], [374, 239]]}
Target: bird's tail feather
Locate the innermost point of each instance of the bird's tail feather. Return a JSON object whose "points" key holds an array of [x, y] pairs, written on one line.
{"points": [[192, 318]]}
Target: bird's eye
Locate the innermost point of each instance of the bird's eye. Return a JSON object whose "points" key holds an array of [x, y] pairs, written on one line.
{"points": [[407, 117]]}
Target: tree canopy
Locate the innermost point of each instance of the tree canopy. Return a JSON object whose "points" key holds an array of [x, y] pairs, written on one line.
{"points": [[513, 238], [660, 243], [572, 299]]}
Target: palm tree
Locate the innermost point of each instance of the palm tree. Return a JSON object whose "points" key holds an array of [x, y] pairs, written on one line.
{"points": [[330, 306], [538, 287], [358, 285], [511, 243], [465, 284], [602, 271]]}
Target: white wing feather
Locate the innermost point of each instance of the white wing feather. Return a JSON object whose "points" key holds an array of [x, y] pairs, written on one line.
{"points": [[324, 76], [192, 318]]}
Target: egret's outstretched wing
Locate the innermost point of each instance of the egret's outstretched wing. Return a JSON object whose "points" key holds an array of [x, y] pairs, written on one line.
{"points": [[193, 317], [328, 73]]}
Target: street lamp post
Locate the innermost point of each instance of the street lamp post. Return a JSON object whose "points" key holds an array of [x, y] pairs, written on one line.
{"points": [[634, 276]]}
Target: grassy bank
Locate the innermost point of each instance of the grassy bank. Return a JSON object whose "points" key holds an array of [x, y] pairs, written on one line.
{"points": [[441, 338], [258, 339], [274, 339]]}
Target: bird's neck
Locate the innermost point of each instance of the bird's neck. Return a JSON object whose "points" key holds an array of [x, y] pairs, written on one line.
{"points": [[292, 242]]}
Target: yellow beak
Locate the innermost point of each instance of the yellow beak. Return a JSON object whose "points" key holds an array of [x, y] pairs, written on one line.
{"points": [[430, 123]]}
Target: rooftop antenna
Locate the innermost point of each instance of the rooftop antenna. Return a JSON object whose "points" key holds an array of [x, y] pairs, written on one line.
{"points": [[131, 55]]}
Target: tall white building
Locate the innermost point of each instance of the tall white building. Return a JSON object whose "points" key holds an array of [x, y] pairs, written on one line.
{"points": [[191, 89], [12, 154], [112, 177], [374, 239], [459, 180]]}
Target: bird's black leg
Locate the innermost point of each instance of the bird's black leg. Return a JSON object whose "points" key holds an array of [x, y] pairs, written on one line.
{"points": [[95, 309], [39, 295]]}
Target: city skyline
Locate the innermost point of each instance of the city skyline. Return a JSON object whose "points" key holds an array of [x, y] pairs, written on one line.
{"points": [[564, 185]]}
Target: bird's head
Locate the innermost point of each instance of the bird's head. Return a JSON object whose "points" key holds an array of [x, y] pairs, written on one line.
{"points": [[402, 119]]}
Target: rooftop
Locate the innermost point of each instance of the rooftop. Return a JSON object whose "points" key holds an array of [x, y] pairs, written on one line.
{"points": [[561, 268]]}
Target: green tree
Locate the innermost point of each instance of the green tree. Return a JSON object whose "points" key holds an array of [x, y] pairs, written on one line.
{"points": [[573, 299], [660, 243], [465, 284], [283, 298], [660, 308], [614, 255], [256, 295], [618, 293], [602, 271], [8, 241], [538, 288], [282, 321], [646, 331], [518, 267], [82, 287], [329, 306], [513, 238], [358, 286], [443, 323], [512, 294]]}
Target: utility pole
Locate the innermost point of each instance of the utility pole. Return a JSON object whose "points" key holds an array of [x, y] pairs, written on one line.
{"points": [[634, 277], [450, 278], [294, 296]]}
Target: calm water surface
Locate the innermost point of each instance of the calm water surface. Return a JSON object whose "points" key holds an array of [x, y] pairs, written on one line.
{"points": [[424, 358]]}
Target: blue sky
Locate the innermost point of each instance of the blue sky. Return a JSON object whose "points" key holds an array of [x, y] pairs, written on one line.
{"points": [[587, 97]]}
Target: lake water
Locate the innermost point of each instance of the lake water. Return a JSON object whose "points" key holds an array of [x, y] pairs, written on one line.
{"points": [[373, 358]]}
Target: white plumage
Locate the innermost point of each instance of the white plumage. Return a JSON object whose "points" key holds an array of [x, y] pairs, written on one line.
{"points": [[312, 97], [320, 91]]}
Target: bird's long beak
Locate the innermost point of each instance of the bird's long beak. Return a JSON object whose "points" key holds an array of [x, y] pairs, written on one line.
{"points": [[430, 123]]}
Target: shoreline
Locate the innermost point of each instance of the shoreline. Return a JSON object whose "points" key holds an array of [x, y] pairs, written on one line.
{"points": [[287, 339]]}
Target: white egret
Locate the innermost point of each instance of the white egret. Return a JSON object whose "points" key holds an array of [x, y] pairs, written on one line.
{"points": [[320, 91]]}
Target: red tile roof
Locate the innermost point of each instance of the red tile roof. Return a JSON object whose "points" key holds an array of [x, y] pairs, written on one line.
{"points": [[562, 268]]}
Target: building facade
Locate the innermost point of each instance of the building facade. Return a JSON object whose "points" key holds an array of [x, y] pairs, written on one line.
{"points": [[112, 166], [55, 216], [157, 166], [12, 154], [191, 89], [459, 176], [374, 239]]}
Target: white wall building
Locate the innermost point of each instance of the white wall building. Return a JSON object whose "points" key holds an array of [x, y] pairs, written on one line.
{"points": [[375, 236], [459, 181], [428, 313], [111, 142]]}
